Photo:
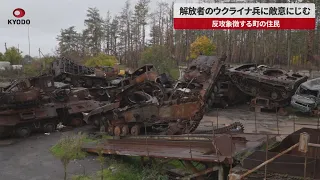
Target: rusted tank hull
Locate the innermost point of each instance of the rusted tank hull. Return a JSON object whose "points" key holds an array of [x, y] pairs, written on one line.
{"points": [[207, 75], [146, 105], [275, 85], [127, 121], [23, 122], [50, 107]]}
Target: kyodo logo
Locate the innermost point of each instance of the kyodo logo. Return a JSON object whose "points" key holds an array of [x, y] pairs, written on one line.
{"points": [[19, 13]]}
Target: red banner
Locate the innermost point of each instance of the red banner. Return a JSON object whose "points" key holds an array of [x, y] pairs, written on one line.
{"points": [[245, 23]]}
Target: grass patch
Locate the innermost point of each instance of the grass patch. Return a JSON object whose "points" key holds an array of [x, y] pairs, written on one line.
{"points": [[70, 147], [175, 73], [126, 171], [81, 177], [90, 140], [126, 168], [176, 164], [106, 137]]}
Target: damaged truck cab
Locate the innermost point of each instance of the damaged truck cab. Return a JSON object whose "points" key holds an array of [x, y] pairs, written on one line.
{"points": [[306, 98]]}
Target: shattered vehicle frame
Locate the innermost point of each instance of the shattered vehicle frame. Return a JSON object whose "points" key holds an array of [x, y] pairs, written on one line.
{"points": [[146, 106], [34, 104], [307, 97], [152, 102]]}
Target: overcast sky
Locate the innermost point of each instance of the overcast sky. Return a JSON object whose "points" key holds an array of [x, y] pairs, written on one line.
{"points": [[48, 18]]}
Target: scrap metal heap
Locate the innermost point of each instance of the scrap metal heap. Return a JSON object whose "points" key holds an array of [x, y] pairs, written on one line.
{"points": [[149, 105], [37, 104], [270, 87], [153, 102]]}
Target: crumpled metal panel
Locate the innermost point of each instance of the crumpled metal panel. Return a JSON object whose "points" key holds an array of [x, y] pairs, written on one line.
{"points": [[293, 162]]}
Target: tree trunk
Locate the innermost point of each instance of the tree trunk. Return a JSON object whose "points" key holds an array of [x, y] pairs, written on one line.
{"points": [[101, 171], [65, 171]]}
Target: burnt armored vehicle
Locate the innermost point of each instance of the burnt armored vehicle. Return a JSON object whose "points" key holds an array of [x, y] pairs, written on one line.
{"points": [[270, 87], [156, 105], [307, 97], [35, 104], [147, 106], [207, 73], [66, 70]]}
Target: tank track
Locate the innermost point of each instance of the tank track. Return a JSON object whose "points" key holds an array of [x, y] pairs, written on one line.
{"points": [[195, 121], [225, 129], [244, 85]]}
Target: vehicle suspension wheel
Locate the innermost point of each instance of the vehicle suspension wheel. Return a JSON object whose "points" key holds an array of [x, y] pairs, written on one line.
{"points": [[125, 130], [117, 131], [23, 132], [135, 130], [110, 130]]}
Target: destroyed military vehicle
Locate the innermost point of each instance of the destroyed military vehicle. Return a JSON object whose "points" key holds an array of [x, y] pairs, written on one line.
{"points": [[219, 90], [307, 97], [270, 87], [147, 105], [35, 104], [156, 104], [65, 70]]}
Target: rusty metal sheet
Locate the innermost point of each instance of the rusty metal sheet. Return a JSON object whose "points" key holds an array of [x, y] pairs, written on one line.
{"points": [[224, 145], [286, 164], [185, 149], [294, 138], [150, 75], [103, 108], [82, 106], [144, 112], [183, 110]]}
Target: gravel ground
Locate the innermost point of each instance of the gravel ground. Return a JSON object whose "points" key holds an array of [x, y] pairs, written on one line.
{"points": [[30, 159]]}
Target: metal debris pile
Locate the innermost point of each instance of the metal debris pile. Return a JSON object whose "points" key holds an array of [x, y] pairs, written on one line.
{"points": [[141, 101]]}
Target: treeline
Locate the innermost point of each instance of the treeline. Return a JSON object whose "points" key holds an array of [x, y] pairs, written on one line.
{"points": [[124, 36]]}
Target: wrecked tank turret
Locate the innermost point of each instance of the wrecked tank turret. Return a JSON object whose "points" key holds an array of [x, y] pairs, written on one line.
{"points": [[274, 85], [207, 74], [307, 97]]}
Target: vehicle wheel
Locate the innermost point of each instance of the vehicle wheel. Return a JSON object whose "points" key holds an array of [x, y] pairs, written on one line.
{"points": [[23, 132], [135, 130], [274, 95], [117, 131], [49, 127], [110, 130], [125, 130], [101, 92]]}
